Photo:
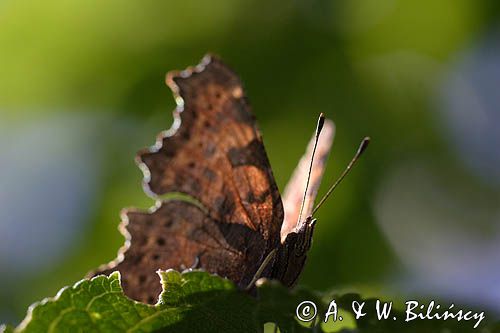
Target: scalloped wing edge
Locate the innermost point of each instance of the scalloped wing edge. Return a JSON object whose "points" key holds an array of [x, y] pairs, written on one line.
{"points": [[169, 80], [122, 227]]}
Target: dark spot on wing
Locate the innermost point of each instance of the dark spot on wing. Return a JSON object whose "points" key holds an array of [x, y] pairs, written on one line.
{"points": [[209, 174], [224, 205], [252, 198], [251, 154], [160, 241], [241, 114], [209, 149]]}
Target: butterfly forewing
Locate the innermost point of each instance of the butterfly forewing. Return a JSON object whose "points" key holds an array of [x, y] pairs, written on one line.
{"points": [[294, 191], [215, 155], [297, 231]]}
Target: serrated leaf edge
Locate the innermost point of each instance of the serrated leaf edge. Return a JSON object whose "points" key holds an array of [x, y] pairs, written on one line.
{"points": [[115, 276]]}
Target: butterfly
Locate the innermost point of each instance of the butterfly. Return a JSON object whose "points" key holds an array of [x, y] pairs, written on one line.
{"points": [[218, 207]]}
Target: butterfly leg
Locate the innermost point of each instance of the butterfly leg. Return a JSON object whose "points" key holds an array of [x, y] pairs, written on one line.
{"points": [[261, 269], [196, 263]]}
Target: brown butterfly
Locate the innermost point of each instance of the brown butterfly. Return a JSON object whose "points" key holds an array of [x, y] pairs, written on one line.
{"points": [[218, 207]]}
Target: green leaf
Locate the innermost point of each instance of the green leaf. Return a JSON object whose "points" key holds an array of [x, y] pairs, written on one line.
{"points": [[277, 304], [189, 301], [196, 301]]}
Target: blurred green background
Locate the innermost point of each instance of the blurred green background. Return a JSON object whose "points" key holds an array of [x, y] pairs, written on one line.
{"points": [[82, 89]]}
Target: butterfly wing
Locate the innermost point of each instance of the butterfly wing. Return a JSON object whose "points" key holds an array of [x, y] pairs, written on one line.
{"points": [[180, 235], [294, 191], [214, 154], [296, 235]]}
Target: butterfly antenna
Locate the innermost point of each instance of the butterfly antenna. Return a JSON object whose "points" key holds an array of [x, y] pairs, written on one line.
{"points": [[319, 127], [360, 151]]}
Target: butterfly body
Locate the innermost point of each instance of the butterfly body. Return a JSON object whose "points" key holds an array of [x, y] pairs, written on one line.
{"points": [[292, 254], [236, 220]]}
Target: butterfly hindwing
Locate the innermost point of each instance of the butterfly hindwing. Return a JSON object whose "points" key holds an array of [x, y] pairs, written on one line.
{"points": [[180, 235]]}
